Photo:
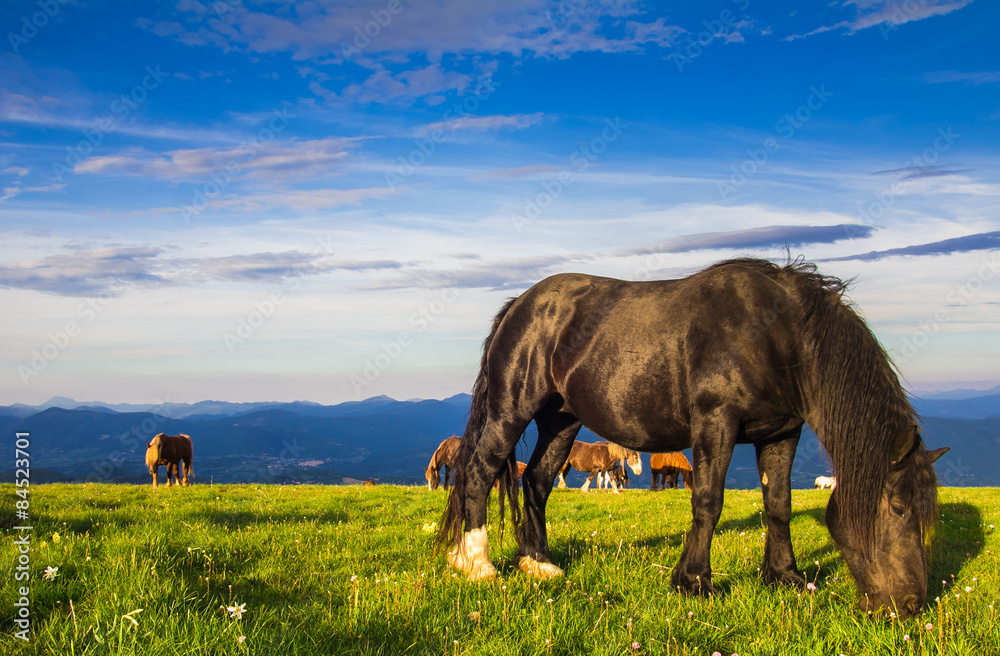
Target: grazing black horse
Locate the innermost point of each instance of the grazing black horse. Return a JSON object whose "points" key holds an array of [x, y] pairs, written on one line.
{"points": [[742, 352]]}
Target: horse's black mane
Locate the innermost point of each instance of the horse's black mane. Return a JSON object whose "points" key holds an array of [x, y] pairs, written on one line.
{"points": [[857, 400]]}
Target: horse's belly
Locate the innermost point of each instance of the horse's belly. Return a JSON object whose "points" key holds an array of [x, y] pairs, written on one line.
{"points": [[636, 432]]}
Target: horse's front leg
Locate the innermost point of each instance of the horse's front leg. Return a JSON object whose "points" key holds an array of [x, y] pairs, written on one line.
{"points": [[556, 432], [774, 463], [713, 437], [155, 471]]}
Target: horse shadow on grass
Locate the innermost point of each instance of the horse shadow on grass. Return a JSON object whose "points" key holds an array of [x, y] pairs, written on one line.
{"points": [[958, 539]]}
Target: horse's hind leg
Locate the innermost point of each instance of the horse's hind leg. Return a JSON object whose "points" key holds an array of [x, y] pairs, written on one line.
{"points": [[556, 432], [187, 473], [774, 463], [498, 439]]}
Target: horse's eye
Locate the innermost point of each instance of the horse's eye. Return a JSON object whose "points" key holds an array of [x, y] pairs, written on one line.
{"points": [[898, 509]]}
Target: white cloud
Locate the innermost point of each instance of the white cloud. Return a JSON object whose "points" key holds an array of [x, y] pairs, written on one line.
{"points": [[888, 15], [486, 123], [267, 160]]}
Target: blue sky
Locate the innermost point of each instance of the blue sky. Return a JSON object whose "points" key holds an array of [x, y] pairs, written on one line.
{"points": [[329, 200]]}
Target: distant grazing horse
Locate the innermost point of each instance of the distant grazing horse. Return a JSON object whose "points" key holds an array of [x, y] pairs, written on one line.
{"points": [[745, 351], [668, 468], [444, 456], [595, 459], [826, 482], [616, 476], [521, 466], [170, 450]]}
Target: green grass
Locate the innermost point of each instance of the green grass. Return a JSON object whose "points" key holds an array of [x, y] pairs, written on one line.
{"points": [[349, 570]]}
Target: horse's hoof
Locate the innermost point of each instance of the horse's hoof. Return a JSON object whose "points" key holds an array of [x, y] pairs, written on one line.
{"points": [[697, 585], [539, 570], [789, 577], [471, 556]]}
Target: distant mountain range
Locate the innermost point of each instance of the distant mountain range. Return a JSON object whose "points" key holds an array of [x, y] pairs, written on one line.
{"points": [[382, 439]]}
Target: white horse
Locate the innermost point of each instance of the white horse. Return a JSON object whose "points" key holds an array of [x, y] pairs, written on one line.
{"points": [[826, 482]]}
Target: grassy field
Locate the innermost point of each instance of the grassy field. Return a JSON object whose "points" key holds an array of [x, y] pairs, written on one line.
{"points": [[349, 570]]}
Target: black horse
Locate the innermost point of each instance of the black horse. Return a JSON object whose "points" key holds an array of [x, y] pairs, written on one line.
{"points": [[742, 352]]}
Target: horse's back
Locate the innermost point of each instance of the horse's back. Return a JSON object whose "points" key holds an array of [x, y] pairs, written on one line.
{"points": [[634, 360]]}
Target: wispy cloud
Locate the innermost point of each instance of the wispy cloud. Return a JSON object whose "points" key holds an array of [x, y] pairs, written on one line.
{"points": [[539, 27], [975, 78], [497, 275], [87, 273], [521, 172], [485, 123], [110, 271], [917, 172], [984, 241], [764, 237], [298, 199], [263, 161], [889, 14], [519, 273]]}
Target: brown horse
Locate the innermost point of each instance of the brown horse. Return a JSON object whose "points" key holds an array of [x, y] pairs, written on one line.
{"points": [[746, 351], [170, 450], [444, 456], [596, 459], [669, 467], [521, 466]]}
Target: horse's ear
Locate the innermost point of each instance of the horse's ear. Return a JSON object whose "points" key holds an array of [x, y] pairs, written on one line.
{"points": [[937, 453], [906, 440]]}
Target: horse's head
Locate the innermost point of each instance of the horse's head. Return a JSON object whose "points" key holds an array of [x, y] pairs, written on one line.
{"points": [[634, 462], [433, 476], [892, 576]]}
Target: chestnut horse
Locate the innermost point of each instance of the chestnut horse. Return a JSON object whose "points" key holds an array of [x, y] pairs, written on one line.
{"points": [[444, 456], [745, 351], [170, 450], [596, 459], [668, 468], [521, 466]]}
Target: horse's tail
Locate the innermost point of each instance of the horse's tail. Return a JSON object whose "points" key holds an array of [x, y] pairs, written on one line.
{"points": [[450, 531]]}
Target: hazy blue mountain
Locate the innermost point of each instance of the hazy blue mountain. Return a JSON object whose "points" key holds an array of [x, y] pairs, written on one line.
{"points": [[387, 440], [980, 407], [954, 395]]}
